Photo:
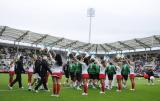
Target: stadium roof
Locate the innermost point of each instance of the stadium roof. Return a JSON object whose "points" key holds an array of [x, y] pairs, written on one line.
{"points": [[32, 38]]}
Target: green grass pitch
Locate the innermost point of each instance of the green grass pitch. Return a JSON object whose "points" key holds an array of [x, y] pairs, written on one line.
{"points": [[143, 92]]}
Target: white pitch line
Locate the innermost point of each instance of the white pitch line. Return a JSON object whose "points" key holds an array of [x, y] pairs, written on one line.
{"points": [[8, 90], [23, 89]]}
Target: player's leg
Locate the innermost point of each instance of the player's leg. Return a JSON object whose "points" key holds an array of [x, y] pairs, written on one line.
{"points": [[119, 85], [54, 86], [58, 80], [30, 78], [94, 81], [46, 78], [79, 79], [110, 77], [11, 75], [20, 80], [44, 84], [85, 86], [133, 83], [14, 81], [72, 82], [39, 84], [125, 78], [119, 81], [102, 85]]}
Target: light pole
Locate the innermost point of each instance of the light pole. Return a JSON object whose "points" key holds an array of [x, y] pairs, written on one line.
{"points": [[90, 14]]}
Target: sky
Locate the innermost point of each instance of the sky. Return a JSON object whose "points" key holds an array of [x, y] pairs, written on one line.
{"points": [[115, 20]]}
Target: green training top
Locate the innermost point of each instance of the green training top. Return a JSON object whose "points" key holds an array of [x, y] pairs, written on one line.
{"points": [[93, 69], [78, 67], [125, 69], [72, 67], [111, 70]]}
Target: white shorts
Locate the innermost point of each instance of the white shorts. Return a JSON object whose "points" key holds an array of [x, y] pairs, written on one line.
{"points": [[152, 77]]}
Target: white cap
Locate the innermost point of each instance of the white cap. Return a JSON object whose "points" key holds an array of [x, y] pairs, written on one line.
{"points": [[45, 57]]}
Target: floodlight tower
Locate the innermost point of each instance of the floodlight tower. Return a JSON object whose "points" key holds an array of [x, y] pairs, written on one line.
{"points": [[90, 14]]}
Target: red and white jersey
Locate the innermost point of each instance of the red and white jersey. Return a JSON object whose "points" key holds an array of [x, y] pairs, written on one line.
{"points": [[102, 69], [12, 67], [56, 69], [131, 69], [30, 68], [84, 68], [118, 71]]}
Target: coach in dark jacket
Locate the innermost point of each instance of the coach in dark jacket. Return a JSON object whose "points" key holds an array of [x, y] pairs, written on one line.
{"points": [[42, 73], [38, 64], [18, 70]]}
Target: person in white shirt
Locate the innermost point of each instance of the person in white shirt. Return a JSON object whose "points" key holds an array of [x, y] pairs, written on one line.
{"points": [[118, 75], [11, 71], [85, 75], [119, 78], [51, 61], [57, 71], [102, 75], [132, 74], [30, 72]]}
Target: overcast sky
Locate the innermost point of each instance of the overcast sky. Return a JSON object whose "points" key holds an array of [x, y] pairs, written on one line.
{"points": [[114, 19]]}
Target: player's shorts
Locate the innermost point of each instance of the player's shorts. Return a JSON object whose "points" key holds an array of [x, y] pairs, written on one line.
{"points": [[11, 73], [78, 77], [85, 76], [58, 75], [97, 76], [93, 76], [132, 76], [146, 76], [72, 75], [102, 76], [152, 77], [125, 77], [119, 76], [110, 77], [30, 73]]}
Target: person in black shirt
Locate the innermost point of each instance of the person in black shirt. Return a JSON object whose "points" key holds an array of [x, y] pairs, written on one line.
{"points": [[42, 73], [151, 76], [18, 70], [37, 65], [66, 72]]}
